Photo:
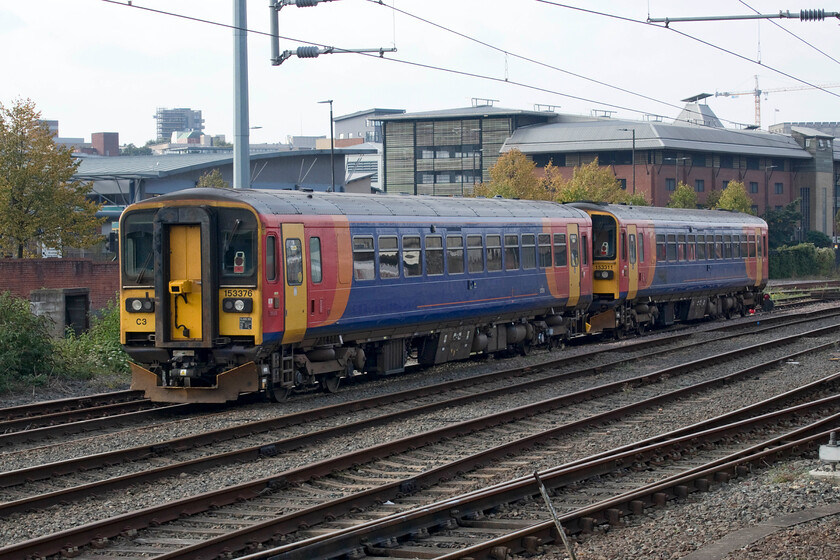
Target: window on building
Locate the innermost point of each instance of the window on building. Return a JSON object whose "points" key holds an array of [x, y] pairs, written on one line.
{"points": [[753, 163], [698, 160], [778, 164], [699, 185], [753, 186], [670, 184], [623, 183], [727, 161], [779, 188], [723, 185]]}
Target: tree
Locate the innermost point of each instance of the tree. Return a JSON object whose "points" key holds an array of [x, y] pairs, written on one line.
{"points": [[683, 197], [712, 199], [132, 150], [818, 238], [212, 179], [513, 176], [594, 183], [735, 197], [782, 223], [40, 202]]}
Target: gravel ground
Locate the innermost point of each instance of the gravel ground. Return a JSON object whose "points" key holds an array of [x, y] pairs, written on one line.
{"points": [[672, 534], [702, 519]]}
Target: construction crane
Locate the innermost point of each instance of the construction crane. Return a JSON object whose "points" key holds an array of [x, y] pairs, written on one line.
{"points": [[758, 91]]}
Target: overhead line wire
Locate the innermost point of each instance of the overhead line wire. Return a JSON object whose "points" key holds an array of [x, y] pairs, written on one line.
{"points": [[686, 35], [408, 62], [788, 31]]}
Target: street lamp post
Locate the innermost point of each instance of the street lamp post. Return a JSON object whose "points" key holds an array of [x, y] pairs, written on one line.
{"points": [[633, 155], [332, 145]]}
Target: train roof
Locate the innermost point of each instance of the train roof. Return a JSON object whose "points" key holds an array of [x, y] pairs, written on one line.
{"points": [[657, 214], [279, 202]]}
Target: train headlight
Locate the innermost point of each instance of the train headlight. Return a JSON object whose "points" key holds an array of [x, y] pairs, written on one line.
{"points": [[603, 274], [237, 305], [140, 305]]}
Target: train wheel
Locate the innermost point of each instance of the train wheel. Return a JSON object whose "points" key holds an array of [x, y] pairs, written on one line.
{"points": [[524, 348], [330, 383], [279, 394]]}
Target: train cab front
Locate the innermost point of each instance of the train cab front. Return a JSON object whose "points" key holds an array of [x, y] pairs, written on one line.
{"points": [[189, 290]]}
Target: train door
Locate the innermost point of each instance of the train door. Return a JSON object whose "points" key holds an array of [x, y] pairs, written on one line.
{"points": [[185, 316], [574, 264], [184, 281], [632, 262], [294, 283], [759, 256]]}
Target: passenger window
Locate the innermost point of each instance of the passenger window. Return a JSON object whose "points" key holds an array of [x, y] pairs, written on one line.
{"points": [[389, 257], [560, 249], [727, 246], [529, 256], [641, 247], [455, 254], [585, 250], [632, 249], [412, 265], [573, 242], [710, 247], [511, 252], [744, 249], [736, 246], [475, 254], [315, 271], [671, 248], [660, 247], [363, 258], [494, 252], [752, 246], [689, 248], [682, 254], [544, 250], [271, 258], [294, 262], [701, 248], [434, 255], [718, 246]]}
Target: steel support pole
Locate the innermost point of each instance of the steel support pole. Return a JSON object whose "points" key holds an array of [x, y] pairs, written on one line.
{"points": [[241, 140]]}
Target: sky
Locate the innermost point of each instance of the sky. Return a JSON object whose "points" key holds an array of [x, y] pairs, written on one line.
{"points": [[105, 66]]}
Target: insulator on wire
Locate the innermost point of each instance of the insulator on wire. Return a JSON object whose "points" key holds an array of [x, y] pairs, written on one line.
{"points": [[811, 15], [308, 52]]}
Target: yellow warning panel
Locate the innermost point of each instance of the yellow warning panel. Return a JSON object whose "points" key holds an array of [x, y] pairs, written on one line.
{"points": [[185, 310]]}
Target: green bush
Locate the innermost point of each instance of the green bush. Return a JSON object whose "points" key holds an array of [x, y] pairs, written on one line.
{"points": [[26, 352], [95, 352], [29, 356], [800, 261]]}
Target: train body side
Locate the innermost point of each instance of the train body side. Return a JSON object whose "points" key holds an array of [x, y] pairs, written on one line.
{"points": [[273, 290], [684, 264]]}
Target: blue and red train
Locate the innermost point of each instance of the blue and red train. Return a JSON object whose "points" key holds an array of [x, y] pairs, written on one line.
{"points": [[228, 292]]}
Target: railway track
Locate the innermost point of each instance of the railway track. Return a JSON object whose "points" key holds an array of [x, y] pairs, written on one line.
{"points": [[202, 451], [515, 421]]}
